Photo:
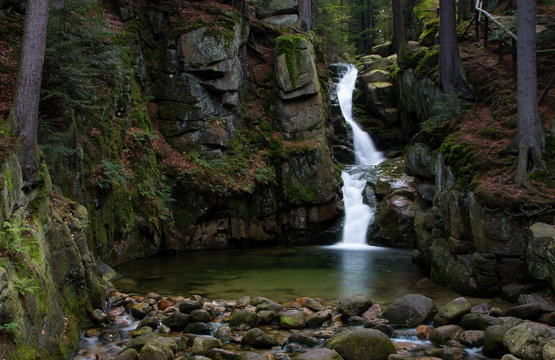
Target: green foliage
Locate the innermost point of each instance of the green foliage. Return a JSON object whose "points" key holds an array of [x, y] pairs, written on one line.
{"points": [[11, 329], [428, 65], [26, 286], [82, 58], [448, 108], [114, 175], [460, 156], [290, 45], [11, 239]]}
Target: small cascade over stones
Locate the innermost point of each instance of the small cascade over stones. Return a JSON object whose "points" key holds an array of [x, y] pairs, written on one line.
{"points": [[358, 215]]}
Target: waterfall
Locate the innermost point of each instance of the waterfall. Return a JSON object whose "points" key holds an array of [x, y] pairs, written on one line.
{"points": [[358, 215]]}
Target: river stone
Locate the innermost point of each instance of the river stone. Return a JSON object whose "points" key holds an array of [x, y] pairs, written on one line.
{"points": [[493, 341], [527, 312], [150, 321], [127, 354], [266, 316], [302, 338], [527, 340], [198, 328], [141, 331], [200, 315], [167, 344], [479, 321], [221, 354], [362, 344], [140, 310], [139, 342], [310, 303], [99, 317], [452, 312], [443, 335], [472, 338], [251, 356], [258, 339], [292, 319], [549, 350], [320, 354], [188, 305], [351, 305], [263, 303], [318, 318], [447, 353], [244, 301], [202, 344], [150, 352], [176, 321], [244, 318], [410, 310]]}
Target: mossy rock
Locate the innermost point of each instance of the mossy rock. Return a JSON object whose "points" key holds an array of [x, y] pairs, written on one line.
{"points": [[362, 344]]}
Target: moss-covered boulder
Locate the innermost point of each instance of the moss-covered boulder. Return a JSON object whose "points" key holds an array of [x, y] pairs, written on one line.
{"points": [[362, 344], [527, 340], [244, 318], [410, 310], [292, 319], [319, 354], [351, 305], [202, 344], [541, 252], [258, 339], [452, 312]]}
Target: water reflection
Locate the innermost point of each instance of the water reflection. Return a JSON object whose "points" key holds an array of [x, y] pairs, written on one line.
{"points": [[278, 273]]}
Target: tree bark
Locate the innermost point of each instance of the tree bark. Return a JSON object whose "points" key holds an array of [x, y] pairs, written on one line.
{"points": [[530, 133], [399, 37], [450, 69], [25, 105], [241, 5], [305, 15]]}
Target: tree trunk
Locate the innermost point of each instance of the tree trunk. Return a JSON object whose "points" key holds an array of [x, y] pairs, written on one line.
{"points": [[450, 69], [530, 134], [25, 105], [305, 15], [240, 5], [399, 38]]}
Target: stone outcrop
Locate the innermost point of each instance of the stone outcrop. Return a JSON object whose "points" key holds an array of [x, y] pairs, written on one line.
{"points": [[465, 244]]}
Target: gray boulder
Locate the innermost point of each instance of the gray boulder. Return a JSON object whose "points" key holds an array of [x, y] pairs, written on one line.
{"points": [[493, 341], [320, 354], [362, 344], [292, 319], [527, 340], [452, 312], [410, 310], [258, 339], [351, 305], [479, 321], [176, 321], [202, 344], [244, 318]]}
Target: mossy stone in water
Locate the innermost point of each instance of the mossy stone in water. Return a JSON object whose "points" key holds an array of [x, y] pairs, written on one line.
{"points": [[452, 312], [292, 319], [362, 344], [244, 318]]}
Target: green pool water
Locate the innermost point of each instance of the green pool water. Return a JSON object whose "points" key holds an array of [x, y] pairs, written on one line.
{"points": [[283, 274]]}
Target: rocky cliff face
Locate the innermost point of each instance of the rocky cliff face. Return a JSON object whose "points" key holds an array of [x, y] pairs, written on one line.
{"points": [[48, 277], [217, 138], [467, 242]]}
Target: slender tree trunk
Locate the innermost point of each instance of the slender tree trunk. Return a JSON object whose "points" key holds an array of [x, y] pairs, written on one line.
{"points": [[399, 38], [25, 105], [530, 134], [305, 15], [450, 69], [240, 5]]}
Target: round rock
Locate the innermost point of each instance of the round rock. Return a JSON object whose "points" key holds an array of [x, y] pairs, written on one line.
{"points": [[320, 354], [351, 305], [410, 310], [362, 344]]}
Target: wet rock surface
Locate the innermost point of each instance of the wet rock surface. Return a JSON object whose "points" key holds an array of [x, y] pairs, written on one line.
{"points": [[238, 330]]}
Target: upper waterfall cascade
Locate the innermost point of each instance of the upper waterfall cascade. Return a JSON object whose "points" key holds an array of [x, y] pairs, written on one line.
{"points": [[358, 215]]}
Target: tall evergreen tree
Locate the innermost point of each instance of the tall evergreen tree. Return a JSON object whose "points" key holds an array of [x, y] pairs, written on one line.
{"points": [[25, 105], [530, 134], [451, 74]]}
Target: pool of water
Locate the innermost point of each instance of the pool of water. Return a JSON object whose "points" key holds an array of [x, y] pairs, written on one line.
{"points": [[382, 274]]}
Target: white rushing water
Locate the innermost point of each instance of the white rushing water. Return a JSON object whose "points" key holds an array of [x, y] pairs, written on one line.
{"points": [[358, 215]]}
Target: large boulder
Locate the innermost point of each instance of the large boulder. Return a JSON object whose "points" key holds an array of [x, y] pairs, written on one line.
{"points": [[493, 341], [258, 339], [452, 312], [410, 310], [444, 335], [202, 344], [362, 344], [351, 305], [479, 321], [244, 318], [527, 340], [292, 319], [541, 252], [320, 354]]}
